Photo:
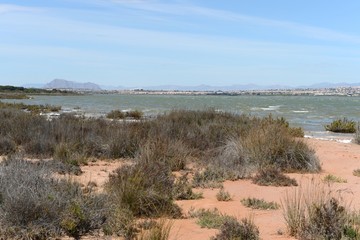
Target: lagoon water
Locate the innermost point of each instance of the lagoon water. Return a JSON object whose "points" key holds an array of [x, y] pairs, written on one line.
{"points": [[309, 112]]}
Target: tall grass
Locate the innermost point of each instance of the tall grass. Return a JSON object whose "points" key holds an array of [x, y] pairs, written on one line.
{"points": [[314, 211], [160, 231]]}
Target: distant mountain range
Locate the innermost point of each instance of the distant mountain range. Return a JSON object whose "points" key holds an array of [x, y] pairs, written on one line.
{"points": [[64, 84]]}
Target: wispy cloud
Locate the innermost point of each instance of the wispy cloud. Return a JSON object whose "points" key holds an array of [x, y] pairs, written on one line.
{"points": [[6, 8], [308, 31]]}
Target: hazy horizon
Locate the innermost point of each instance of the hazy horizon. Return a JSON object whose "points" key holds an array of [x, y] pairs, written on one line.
{"points": [[186, 43]]}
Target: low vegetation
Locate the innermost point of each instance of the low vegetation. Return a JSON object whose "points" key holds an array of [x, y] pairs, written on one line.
{"points": [[118, 114], [210, 218], [159, 231], [256, 203], [36, 109], [6, 89], [232, 229], [223, 195], [273, 177], [145, 188], [356, 172], [334, 179], [317, 213], [182, 189], [343, 125], [218, 146], [34, 205]]}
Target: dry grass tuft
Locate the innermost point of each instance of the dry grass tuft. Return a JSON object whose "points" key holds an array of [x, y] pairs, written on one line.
{"points": [[316, 212]]}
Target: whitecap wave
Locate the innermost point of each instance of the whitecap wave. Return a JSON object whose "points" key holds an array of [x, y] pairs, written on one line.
{"points": [[300, 111], [271, 108]]}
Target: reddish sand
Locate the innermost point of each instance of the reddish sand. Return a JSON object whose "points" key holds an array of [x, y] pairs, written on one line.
{"points": [[338, 159]]}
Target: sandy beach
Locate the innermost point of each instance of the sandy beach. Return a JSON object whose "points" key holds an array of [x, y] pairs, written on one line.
{"points": [[339, 159]]}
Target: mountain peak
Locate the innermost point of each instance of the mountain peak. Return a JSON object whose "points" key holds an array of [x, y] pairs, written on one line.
{"points": [[65, 84]]}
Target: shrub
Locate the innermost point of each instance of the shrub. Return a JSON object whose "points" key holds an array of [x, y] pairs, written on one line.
{"points": [[116, 114], [273, 177], [331, 179], [255, 203], [120, 221], [327, 220], [265, 146], [296, 132], [146, 189], [211, 177], [7, 146], [342, 126], [182, 190], [136, 114], [356, 172], [222, 195], [36, 206], [69, 155], [317, 214], [231, 229], [210, 218], [160, 231], [169, 152], [272, 146]]}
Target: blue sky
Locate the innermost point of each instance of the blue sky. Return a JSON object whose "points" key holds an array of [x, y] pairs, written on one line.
{"points": [[153, 42]]}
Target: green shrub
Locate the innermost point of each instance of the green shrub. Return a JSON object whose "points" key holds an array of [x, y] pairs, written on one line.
{"points": [[224, 196], [273, 177], [210, 218], [342, 126], [255, 203], [231, 229], [332, 178], [146, 189]]}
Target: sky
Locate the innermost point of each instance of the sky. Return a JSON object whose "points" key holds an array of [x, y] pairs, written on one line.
{"points": [[180, 42]]}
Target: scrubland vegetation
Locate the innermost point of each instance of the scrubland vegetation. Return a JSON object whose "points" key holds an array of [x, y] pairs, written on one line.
{"points": [[343, 125], [316, 212], [259, 204], [118, 114], [230, 227], [220, 146]]}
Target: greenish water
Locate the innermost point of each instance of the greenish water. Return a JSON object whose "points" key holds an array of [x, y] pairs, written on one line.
{"points": [[309, 112]]}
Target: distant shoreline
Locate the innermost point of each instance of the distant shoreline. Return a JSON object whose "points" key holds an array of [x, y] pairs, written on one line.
{"points": [[339, 91]]}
